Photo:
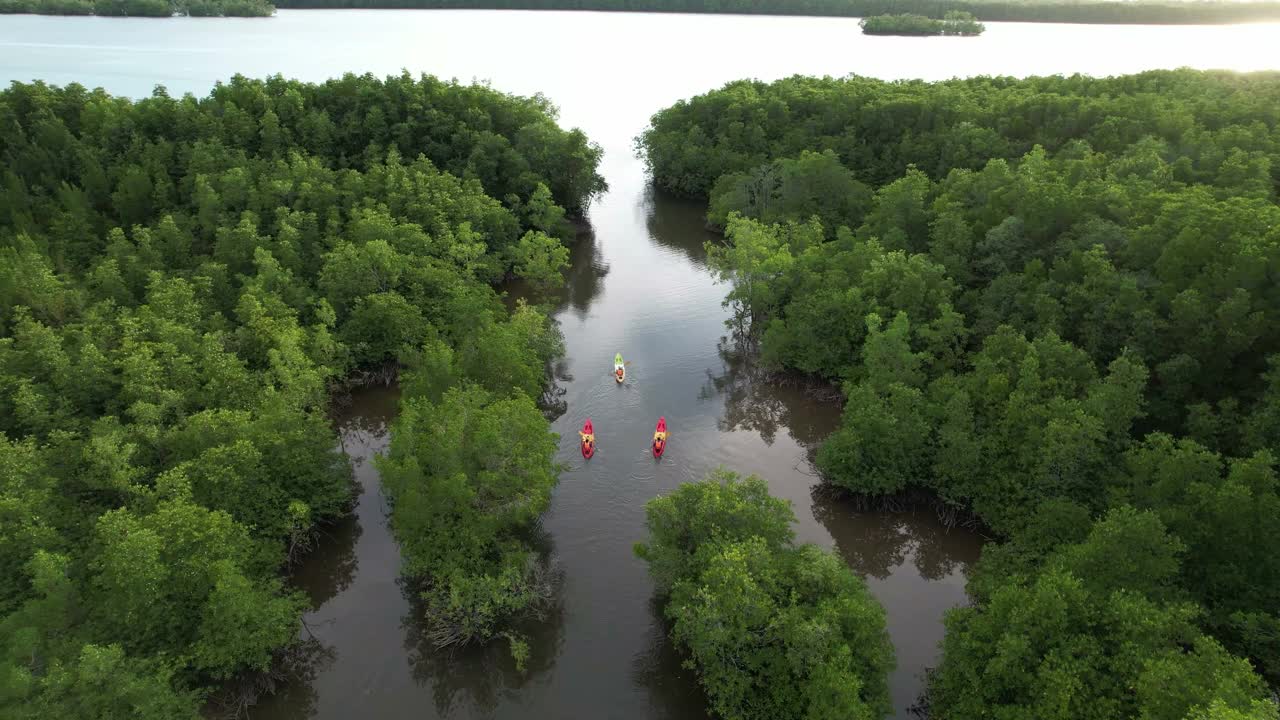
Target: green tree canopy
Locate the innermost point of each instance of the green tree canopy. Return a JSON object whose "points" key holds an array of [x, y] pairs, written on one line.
{"points": [[774, 630], [184, 282]]}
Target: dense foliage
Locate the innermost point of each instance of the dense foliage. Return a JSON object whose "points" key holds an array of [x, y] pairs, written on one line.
{"points": [[954, 22], [470, 469], [183, 282], [1100, 632], [900, 24], [1145, 12], [1048, 301], [142, 8], [774, 630], [1201, 124]]}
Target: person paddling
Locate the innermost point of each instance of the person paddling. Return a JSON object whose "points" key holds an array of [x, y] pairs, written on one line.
{"points": [[660, 437], [588, 435]]}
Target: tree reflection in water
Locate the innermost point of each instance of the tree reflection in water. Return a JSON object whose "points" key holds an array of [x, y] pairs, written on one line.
{"points": [[584, 280], [678, 223], [755, 399], [587, 271], [874, 543], [362, 426], [877, 543], [331, 566], [673, 689], [552, 402], [289, 687]]}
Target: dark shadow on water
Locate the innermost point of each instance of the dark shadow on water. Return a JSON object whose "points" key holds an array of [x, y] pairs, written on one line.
{"points": [[291, 690], [758, 400], [673, 689], [586, 273], [366, 419], [331, 567], [877, 543], [484, 675], [678, 223], [552, 403], [915, 565]]}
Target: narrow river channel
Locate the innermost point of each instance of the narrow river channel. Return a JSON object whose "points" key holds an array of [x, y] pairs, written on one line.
{"points": [[639, 286], [644, 290]]}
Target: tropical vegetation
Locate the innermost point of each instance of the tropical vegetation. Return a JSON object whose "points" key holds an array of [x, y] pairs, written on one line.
{"points": [[955, 22], [774, 630], [469, 472], [1050, 304], [184, 285]]}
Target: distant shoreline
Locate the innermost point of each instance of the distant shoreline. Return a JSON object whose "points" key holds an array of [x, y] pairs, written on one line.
{"points": [[1136, 12], [139, 8]]}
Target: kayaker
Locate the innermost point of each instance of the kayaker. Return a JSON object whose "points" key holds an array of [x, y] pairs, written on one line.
{"points": [[660, 437], [588, 436], [619, 368]]}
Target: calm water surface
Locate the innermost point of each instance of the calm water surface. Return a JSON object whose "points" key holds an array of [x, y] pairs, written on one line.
{"points": [[639, 286]]}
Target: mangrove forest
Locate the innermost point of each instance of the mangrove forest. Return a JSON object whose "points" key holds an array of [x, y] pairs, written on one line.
{"points": [[186, 285], [1040, 314], [1051, 306], [954, 23]]}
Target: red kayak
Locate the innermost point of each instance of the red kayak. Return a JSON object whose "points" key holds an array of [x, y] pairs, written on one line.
{"points": [[660, 437], [588, 442]]}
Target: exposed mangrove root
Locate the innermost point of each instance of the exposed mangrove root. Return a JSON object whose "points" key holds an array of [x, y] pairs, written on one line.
{"points": [[450, 625], [302, 541], [741, 356], [912, 499], [923, 705], [384, 375], [811, 471], [299, 661]]}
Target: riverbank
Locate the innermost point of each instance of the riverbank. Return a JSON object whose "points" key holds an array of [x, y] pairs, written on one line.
{"points": [[1137, 12]]}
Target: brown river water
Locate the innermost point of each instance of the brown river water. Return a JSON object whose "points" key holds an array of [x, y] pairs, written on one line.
{"points": [[604, 652], [639, 286]]}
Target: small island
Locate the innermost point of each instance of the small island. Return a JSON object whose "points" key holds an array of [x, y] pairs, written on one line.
{"points": [[955, 22], [141, 8]]}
